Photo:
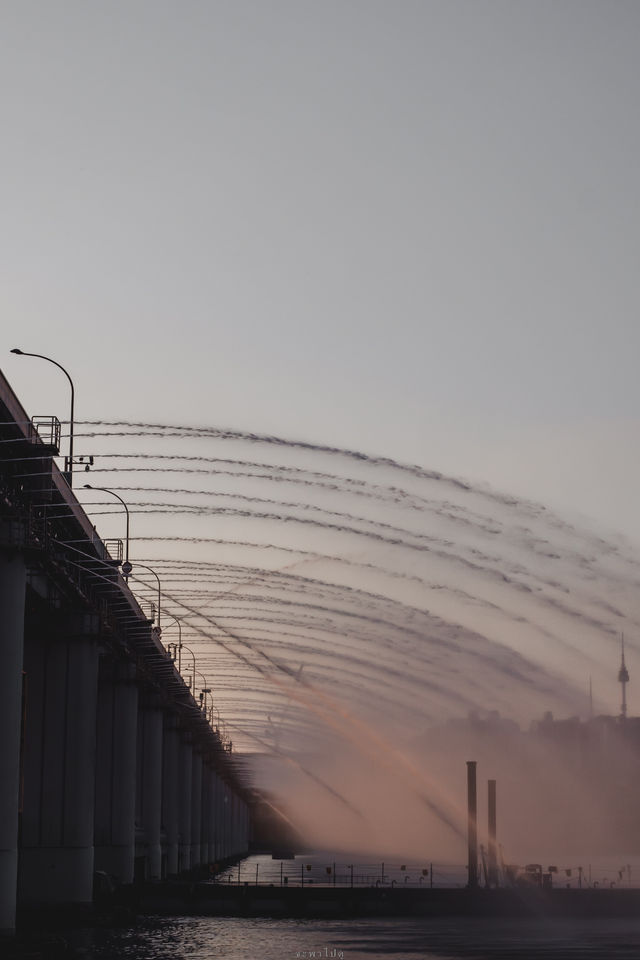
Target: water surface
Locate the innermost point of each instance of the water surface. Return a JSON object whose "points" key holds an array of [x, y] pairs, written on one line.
{"points": [[209, 938]]}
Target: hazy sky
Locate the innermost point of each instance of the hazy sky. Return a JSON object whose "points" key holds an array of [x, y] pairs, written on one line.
{"points": [[406, 227]]}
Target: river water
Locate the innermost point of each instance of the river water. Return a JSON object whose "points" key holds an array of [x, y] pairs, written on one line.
{"points": [[400, 938], [446, 938], [213, 938]]}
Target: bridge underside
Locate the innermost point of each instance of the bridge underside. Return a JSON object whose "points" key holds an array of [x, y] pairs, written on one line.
{"points": [[107, 763]]}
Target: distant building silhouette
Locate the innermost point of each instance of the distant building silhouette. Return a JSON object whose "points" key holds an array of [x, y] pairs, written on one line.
{"points": [[623, 679]]}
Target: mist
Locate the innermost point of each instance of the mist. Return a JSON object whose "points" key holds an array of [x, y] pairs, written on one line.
{"points": [[351, 613], [566, 793]]}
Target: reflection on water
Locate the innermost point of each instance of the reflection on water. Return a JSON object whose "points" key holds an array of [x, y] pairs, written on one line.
{"points": [[234, 938]]}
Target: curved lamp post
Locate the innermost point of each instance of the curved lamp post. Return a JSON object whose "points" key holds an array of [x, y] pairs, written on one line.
{"points": [[175, 620], [151, 570], [126, 566], [203, 693], [213, 707], [193, 684], [68, 464]]}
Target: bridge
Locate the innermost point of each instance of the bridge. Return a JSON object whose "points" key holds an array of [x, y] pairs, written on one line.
{"points": [[107, 762]]}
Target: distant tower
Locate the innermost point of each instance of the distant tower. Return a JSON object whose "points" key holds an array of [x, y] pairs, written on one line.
{"points": [[623, 678]]}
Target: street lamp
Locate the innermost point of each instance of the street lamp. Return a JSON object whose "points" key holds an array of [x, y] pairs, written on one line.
{"points": [[175, 620], [145, 567], [193, 685], [212, 708], [68, 463], [126, 566], [203, 693]]}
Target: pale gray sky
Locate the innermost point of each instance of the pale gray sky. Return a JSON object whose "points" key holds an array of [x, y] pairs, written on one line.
{"points": [[406, 227]]}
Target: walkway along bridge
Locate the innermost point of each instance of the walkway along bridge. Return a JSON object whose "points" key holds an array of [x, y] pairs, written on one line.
{"points": [[107, 762]]}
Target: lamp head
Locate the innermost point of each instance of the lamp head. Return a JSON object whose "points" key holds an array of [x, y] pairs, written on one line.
{"points": [[16, 350]]}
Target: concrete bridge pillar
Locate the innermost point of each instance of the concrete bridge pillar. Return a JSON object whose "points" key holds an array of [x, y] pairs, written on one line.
{"points": [[185, 763], [196, 809], [225, 821], [150, 784], [211, 815], [234, 824], [237, 842], [116, 770], [214, 839], [242, 829], [56, 854], [170, 793], [12, 597], [204, 816], [242, 826]]}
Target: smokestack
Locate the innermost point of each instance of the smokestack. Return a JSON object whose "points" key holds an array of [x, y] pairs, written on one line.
{"points": [[493, 864], [472, 824]]}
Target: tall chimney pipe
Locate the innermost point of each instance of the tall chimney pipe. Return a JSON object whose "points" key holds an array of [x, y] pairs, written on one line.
{"points": [[472, 827], [493, 863]]}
